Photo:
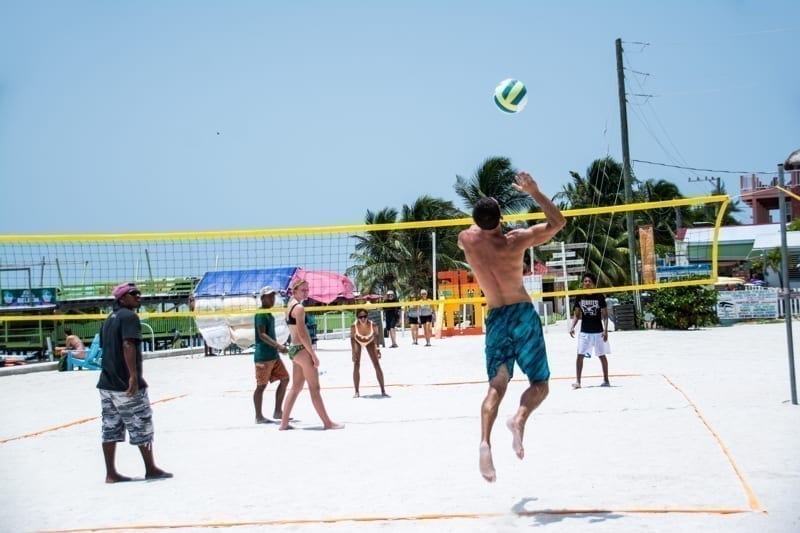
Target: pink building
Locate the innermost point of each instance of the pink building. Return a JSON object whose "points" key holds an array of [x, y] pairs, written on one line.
{"points": [[762, 197]]}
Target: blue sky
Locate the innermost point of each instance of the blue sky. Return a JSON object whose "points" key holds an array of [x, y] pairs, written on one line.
{"points": [[197, 115]]}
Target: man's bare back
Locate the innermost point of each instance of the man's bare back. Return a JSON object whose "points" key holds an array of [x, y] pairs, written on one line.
{"points": [[74, 343], [496, 258]]}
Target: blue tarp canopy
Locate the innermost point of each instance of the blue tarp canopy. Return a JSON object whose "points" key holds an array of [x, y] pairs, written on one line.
{"points": [[243, 282]]}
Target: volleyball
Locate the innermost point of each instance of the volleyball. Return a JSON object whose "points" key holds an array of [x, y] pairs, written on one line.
{"points": [[511, 96]]}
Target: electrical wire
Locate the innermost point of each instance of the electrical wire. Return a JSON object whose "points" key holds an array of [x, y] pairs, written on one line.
{"points": [[703, 169]]}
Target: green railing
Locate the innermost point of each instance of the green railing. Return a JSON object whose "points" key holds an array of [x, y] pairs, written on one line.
{"points": [[169, 286]]}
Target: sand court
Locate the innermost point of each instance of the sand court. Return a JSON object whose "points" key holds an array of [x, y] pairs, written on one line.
{"points": [[682, 439]]}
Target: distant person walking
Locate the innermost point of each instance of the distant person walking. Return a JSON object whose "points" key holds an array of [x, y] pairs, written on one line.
{"points": [[413, 322], [592, 311], [124, 402], [268, 364], [513, 328], [426, 316], [364, 336], [391, 315], [305, 364]]}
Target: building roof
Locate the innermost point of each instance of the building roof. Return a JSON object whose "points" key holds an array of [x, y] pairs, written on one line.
{"points": [[730, 234], [768, 242], [736, 243]]}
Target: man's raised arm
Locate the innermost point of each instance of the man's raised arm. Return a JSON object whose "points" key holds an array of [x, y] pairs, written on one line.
{"points": [[544, 231]]}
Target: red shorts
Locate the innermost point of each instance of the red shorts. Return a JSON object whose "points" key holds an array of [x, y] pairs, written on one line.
{"points": [[269, 371]]}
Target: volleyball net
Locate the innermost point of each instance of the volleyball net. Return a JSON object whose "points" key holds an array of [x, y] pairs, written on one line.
{"points": [[69, 278]]}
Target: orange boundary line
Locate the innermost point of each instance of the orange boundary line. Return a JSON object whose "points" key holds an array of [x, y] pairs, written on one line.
{"points": [[397, 518], [752, 500], [75, 423], [450, 383], [751, 497]]}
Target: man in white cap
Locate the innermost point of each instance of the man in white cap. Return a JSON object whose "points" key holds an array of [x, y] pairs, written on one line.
{"points": [[124, 402], [269, 366], [391, 315]]}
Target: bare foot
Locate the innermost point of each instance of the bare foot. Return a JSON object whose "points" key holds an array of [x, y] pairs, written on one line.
{"points": [[356, 395], [262, 420], [157, 474], [605, 384], [486, 464], [334, 425], [277, 415], [284, 428], [516, 433], [117, 478], [576, 385]]}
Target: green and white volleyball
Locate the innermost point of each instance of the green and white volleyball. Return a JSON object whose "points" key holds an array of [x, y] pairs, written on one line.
{"points": [[511, 96]]}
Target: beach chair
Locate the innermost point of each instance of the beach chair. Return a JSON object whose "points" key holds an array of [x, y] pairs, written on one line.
{"points": [[92, 360]]}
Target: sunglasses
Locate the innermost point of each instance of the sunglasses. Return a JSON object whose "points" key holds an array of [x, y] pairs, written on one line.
{"points": [[135, 293], [362, 316]]}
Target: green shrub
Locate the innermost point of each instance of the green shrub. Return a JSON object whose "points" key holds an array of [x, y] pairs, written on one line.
{"points": [[685, 307]]}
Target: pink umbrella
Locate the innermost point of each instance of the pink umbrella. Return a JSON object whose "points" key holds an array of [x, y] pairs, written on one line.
{"points": [[325, 286]]}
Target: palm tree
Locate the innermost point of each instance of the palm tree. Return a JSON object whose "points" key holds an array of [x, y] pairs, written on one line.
{"points": [[606, 252], [708, 213], [375, 256], [605, 235], [493, 178], [415, 264], [664, 220], [774, 260], [401, 259], [603, 185]]}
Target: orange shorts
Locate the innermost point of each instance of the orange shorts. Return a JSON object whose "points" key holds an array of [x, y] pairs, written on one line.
{"points": [[269, 371]]}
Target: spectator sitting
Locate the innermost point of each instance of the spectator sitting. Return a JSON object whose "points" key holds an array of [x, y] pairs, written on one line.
{"points": [[74, 343]]}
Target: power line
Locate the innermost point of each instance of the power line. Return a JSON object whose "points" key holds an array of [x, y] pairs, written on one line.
{"points": [[703, 169]]}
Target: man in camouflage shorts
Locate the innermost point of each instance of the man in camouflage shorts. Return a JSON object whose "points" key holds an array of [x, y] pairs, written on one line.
{"points": [[123, 391]]}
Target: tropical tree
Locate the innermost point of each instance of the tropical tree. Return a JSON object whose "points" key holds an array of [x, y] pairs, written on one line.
{"points": [[402, 259], [606, 253], [415, 266], [375, 257], [708, 213], [493, 178], [664, 220], [774, 260]]}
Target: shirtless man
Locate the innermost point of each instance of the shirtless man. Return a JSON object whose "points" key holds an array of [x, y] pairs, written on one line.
{"points": [[74, 343], [513, 330]]}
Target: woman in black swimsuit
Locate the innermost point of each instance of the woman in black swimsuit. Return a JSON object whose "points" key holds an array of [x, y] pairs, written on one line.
{"points": [[305, 364]]}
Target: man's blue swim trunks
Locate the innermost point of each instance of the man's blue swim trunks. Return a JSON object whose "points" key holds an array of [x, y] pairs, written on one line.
{"points": [[514, 333]]}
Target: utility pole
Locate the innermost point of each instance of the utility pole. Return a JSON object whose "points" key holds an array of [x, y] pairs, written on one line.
{"points": [[717, 190], [710, 179], [626, 173], [792, 163], [787, 295]]}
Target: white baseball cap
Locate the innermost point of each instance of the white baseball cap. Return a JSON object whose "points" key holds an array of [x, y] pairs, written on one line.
{"points": [[267, 290]]}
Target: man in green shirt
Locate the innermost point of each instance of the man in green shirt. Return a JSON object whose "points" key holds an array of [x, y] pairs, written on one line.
{"points": [[269, 366]]}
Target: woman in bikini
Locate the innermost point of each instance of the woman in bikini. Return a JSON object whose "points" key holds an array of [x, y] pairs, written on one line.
{"points": [[305, 364], [364, 335]]}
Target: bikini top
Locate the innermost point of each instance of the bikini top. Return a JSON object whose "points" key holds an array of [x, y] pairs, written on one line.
{"points": [[365, 339], [289, 318]]}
